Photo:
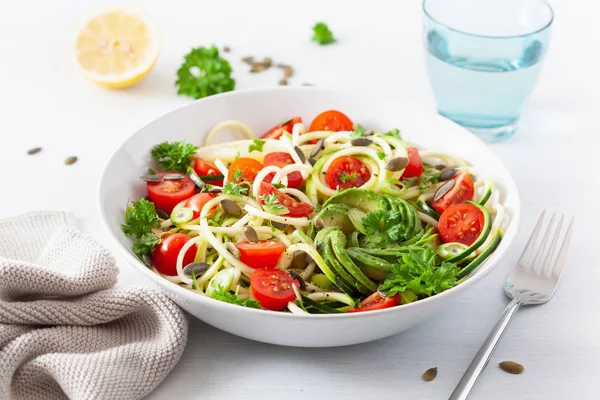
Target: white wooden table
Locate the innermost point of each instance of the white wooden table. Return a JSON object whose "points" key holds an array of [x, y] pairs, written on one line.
{"points": [[553, 160]]}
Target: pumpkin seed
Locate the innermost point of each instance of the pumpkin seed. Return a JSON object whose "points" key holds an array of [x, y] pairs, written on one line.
{"points": [[246, 185], [248, 60], [258, 67], [300, 154], [215, 190], [447, 173], [511, 367], [226, 49], [440, 167], [231, 247], [430, 374], [445, 188], [267, 62], [312, 161], [151, 178], [369, 132], [147, 259], [282, 82], [279, 225], [288, 72], [397, 164], [307, 84], [71, 160], [33, 151], [173, 177], [162, 214], [297, 276], [196, 267], [381, 292], [231, 208], [319, 223], [361, 141], [299, 260], [250, 234], [317, 147]]}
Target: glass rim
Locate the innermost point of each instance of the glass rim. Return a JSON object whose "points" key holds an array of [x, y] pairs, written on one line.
{"points": [[544, 27]]}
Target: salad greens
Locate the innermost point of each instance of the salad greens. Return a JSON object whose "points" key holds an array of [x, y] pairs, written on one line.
{"points": [[204, 73], [322, 35], [140, 218], [174, 156]]}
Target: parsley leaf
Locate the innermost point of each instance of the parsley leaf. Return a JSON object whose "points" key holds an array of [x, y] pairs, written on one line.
{"points": [[394, 133], [417, 272], [381, 155], [272, 201], [174, 156], [322, 34], [234, 189], [428, 178], [344, 177], [257, 145], [237, 175], [228, 297], [204, 73], [140, 218], [358, 131], [279, 185]]}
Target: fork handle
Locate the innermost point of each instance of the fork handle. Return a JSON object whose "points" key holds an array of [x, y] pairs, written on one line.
{"points": [[467, 382]]}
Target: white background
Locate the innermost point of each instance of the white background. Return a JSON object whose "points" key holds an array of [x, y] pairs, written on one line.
{"points": [[554, 159]]}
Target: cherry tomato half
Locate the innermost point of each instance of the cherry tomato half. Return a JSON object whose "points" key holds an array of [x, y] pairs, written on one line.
{"points": [[165, 255], [276, 131], [197, 201], [261, 254], [461, 223], [347, 172], [462, 190], [273, 288], [168, 193], [281, 159], [297, 208], [376, 302], [248, 167], [331, 120], [204, 168], [415, 164]]}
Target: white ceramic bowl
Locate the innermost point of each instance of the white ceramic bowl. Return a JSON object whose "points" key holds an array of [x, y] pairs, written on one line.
{"points": [[261, 109]]}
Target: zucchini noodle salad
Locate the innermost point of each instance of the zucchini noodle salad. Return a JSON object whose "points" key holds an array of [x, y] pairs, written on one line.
{"points": [[330, 218]]}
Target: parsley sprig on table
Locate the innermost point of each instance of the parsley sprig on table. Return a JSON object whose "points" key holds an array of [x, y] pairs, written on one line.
{"points": [[140, 218], [322, 34], [417, 272], [204, 73], [174, 156]]}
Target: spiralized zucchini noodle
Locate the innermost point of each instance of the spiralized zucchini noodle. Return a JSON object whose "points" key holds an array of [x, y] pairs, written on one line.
{"points": [[354, 219]]}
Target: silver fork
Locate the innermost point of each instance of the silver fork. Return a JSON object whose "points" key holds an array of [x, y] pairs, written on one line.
{"points": [[533, 281]]}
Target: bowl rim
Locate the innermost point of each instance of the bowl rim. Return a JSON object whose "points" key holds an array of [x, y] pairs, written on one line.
{"points": [[491, 263]]}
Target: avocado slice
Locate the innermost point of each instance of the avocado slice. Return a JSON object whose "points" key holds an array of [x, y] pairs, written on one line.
{"points": [[364, 200], [336, 215], [368, 261], [338, 243], [343, 280]]}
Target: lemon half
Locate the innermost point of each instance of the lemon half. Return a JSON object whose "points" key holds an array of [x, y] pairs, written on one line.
{"points": [[116, 47]]}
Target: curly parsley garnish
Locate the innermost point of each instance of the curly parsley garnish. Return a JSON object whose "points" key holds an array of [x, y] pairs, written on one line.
{"points": [[228, 297], [381, 155], [257, 145], [344, 177], [272, 201], [237, 175], [174, 156], [140, 218], [204, 73], [322, 34], [234, 189], [394, 133]]}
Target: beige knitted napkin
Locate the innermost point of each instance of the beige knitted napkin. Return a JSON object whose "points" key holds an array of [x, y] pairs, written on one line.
{"points": [[65, 332]]}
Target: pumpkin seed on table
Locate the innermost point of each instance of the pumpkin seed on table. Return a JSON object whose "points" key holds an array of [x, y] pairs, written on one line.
{"points": [[248, 60], [250, 234], [196, 268], [232, 248], [282, 82], [231, 208], [226, 49], [430, 374], [511, 367], [71, 160], [397, 164], [258, 67], [33, 151]]}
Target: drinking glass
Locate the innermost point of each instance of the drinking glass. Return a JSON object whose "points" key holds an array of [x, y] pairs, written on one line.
{"points": [[484, 58]]}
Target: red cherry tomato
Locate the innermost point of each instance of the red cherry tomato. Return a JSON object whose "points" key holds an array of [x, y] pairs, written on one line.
{"points": [[261, 254], [297, 208], [461, 223], [204, 168], [415, 164], [331, 120], [249, 168], [286, 126], [165, 255], [168, 193], [281, 159], [376, 302], [273, 288], [347, 172], [197, 201], [462, 190]]}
